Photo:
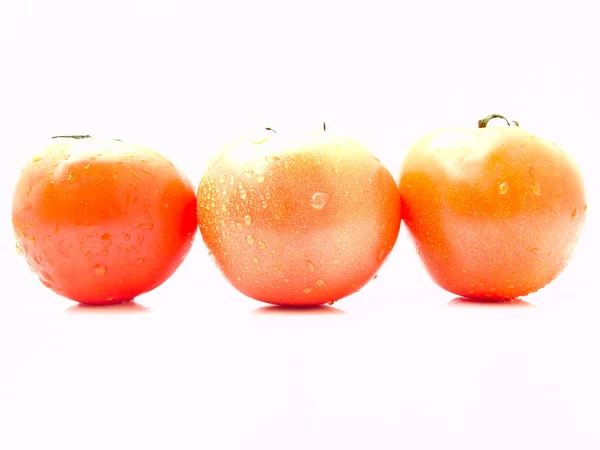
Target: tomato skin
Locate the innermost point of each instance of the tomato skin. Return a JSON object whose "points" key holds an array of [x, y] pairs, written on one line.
{"points": [[495, 212], [298, 220], [101, 221]]}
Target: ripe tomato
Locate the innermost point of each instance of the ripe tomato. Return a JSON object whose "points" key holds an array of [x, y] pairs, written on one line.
{"points": [[300, 219], [101, 221], [495, 212]]}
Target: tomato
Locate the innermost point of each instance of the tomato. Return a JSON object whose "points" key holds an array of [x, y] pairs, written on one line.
{"points": [[101, 221], [299, 219], [494, 212]]}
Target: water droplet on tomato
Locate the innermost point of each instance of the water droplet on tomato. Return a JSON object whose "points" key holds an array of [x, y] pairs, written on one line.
{"points": [[146, 225], [106, 240], [381, 255], [255, 260], [336, 261], [574, 214], [243, 195], [310, 266], [503, 188], [69, 177], [31, 239], [104, 252], [319, 200], [99, 270], [88, 254], [139, 261], [127, 236], [166, 206], [534, 250], [271, 158], [224, 208], [535, 188], [260, 177], [248, 174], [320, 283], [250, 239], [248, 220], [307, 290], [261, 245]]}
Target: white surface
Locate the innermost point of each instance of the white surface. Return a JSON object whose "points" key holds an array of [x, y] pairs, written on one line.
{"points": [[398, 365]]}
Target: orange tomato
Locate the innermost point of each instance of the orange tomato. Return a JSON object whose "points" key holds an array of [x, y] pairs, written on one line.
{"points": [[495, 212], [298, 219], [101, 221]]}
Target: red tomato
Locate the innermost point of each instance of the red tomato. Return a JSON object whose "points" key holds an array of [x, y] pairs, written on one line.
{"points": [[495, 212], [101, 221], [298, 219]]}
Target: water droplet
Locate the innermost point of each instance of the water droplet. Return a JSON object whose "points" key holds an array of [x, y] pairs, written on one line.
{"points": [[31, 239], [320, 283], [574, 214], [331, 302], [248, 173], [319, 200], [534, 250], [347, 231], [222, 178], [243, 195], [264, 204], [18, 249], [36, 159], [307, 290], [261, 245], [99, 270], [87, 166], [104, 252], [535, 188], [69, 177], [336, 261], [250, 239], [224, 208], [238, 225], [139, 261], [166, 206], [127, 236], [146, 225], [503, 188], [88, 254], [381, 255], [310, 265], [136, 175], [106, 240], [271, 158], [260, 177], [255, 260], [248, 220]]}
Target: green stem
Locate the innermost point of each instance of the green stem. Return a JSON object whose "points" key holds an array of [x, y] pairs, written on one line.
{"points": [[483, 122]]}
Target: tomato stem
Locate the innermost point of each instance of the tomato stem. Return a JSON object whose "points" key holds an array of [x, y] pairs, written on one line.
{"points": [[483, 122], [75, 136]]}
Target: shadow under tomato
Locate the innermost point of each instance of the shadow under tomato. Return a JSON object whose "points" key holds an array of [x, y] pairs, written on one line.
{"points": [[130, 307], [504, 303], [274, 310]]}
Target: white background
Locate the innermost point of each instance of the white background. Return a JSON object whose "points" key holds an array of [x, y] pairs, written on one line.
{"points": [[196, 365]]}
